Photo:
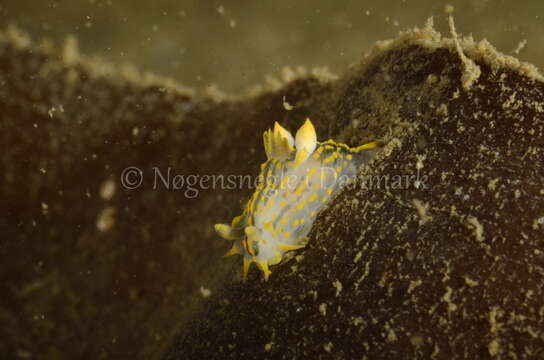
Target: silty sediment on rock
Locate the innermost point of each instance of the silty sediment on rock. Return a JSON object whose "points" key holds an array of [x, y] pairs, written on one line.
{"points": [[448, 264]]}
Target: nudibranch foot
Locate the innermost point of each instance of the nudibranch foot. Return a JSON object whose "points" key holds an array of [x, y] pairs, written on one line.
{"points": [[296, 182]]}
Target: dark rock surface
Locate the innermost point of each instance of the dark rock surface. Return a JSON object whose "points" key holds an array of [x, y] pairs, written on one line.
{"points": [[451, 266], [448, 267]]}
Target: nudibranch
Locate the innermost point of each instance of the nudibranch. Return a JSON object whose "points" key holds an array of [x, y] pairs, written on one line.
{"points": [[297, 180]]}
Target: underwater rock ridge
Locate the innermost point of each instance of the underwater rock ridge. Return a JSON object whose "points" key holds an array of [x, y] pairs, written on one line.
{"points": [[446, 266], [435, 252]]}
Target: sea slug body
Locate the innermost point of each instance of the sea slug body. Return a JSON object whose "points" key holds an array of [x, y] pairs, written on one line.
{"points": [[297, 180]]}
